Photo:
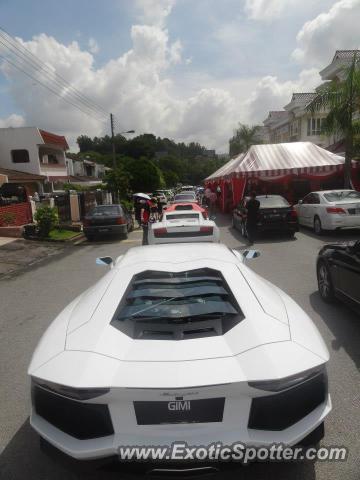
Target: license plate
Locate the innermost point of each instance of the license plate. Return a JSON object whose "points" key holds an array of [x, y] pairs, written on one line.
{"points": [[104, 229], [274, 216], [180, 411]]}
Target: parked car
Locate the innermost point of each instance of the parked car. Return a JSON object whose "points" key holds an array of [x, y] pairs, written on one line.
{"points": [[189, 323], [108, 219], [275, 214], [338, 273], [330, 210], [185, 197], [179, 223]]}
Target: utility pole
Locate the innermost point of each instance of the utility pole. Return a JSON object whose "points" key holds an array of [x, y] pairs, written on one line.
{"points": [[113, 140]]}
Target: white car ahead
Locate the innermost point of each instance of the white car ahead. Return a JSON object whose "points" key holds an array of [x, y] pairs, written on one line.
{"points": [[183, 226], [186, 197], [330, 210], [179, 343]]}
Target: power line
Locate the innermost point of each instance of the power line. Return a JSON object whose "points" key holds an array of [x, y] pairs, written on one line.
{"points": [[50, 89], [28, 56], [74, 96]]}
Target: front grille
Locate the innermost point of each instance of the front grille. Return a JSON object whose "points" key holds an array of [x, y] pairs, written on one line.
{"points": [[80, 420], [281, 410]]}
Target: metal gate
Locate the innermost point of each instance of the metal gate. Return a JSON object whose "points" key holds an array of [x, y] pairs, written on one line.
{"points": [[62, 203]]}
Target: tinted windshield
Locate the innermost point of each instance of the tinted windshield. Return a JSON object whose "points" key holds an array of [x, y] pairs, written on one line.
{"points": [[186, 196], [177, 295], [342, 195], [181, 216], [274, 201], [106, 210]]}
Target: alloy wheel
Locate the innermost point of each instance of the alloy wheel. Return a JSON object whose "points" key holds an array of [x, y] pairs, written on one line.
{"points": [[324, 282]]}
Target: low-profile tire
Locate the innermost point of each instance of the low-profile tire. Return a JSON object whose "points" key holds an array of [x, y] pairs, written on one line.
{"points": [[90, 238], [233, 223], [291, 235], [325, 285], [124, 235], [317, 226]]}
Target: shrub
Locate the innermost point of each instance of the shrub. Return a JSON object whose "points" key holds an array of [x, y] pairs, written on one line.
{"points": [[46, 217]]}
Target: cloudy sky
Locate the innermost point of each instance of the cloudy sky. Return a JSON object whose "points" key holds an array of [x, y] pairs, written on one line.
{"points": [[186, 69]]}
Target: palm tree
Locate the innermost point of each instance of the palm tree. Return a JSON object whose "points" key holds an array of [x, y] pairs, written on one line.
{"points": [[342, 100], [243, 138]]}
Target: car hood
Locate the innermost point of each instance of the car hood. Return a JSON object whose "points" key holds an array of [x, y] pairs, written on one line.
{"points": [[265, 321]]}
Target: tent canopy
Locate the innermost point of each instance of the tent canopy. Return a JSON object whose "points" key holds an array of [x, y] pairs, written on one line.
{"points": [[280, 158]]}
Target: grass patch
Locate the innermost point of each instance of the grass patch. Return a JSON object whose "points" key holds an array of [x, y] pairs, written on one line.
{"points": [[57, 234]]}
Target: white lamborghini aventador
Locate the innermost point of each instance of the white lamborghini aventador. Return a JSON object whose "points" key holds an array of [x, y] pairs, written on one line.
{"points": [[188, 325]]}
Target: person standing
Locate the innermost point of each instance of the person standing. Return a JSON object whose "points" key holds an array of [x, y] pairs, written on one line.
{"points": [[252, 208], [145, 217], [137, 208]]}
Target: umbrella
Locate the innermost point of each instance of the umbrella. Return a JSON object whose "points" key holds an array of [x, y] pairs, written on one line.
{"points": [[142, 195]]}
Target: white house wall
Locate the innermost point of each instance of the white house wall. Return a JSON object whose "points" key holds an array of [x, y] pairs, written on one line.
{"points": [[22, 138]]}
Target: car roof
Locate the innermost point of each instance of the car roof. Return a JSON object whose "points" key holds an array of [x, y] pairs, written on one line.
{"points": [[178, 253], [173, 208]]}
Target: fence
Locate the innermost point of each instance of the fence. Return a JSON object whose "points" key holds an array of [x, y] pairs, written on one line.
{"points": [[15, 214]]}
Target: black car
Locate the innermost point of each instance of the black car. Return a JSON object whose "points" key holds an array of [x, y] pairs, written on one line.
{"points": [[275, 214], [108, 219], [338, 273]]}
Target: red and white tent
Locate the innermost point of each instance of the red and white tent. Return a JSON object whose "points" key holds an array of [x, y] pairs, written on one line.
{"points": [[281, 162]]}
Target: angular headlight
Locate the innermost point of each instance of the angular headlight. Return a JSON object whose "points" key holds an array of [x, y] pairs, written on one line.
{"points": [[288, 382], [70, 392]]}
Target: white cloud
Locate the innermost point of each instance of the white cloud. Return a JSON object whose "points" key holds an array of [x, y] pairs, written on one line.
{"points": [[93, 45], [335, 29], [266, 9], [136, 87], [154, 12], [271, 94], [13, 120]]}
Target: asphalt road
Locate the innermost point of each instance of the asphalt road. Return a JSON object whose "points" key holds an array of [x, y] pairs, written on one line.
{"points": [[31, 298]]}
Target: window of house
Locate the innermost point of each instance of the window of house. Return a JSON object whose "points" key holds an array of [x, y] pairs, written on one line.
{"points": [[314, 126], [52, 159], [294, 128], [20, 156]]}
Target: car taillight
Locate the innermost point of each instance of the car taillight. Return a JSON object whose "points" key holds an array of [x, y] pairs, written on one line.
{"points": [[86, 222], [338, 210], [121, 221], [208, 230], [159, 231], [293, 214]]}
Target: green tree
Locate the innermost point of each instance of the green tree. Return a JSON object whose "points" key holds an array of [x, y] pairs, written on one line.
{"points": [[117, 181], [342, 100], [243, 138], [145, 176], [171, 178]]}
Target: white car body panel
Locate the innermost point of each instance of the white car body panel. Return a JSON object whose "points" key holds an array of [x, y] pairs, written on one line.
{"points": [[190, 227], [329, 221], [274, 340]]}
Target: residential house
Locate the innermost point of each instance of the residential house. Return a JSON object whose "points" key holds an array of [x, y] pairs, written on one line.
{"points": [[303, 125], [35, 151], [341, 60], [278, 126], [85, 171]]}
